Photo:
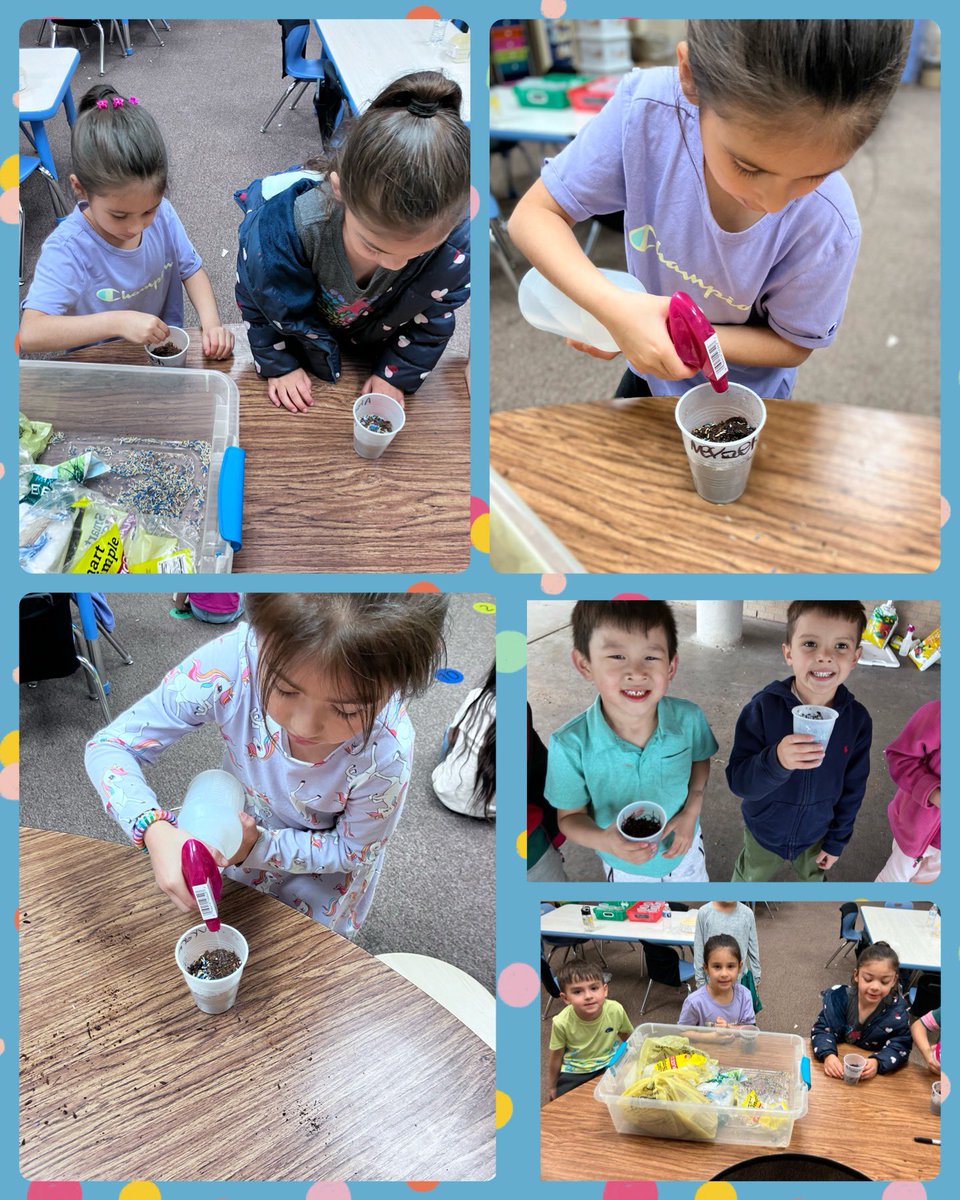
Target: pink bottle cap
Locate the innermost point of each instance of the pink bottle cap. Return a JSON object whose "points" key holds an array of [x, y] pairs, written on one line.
{"points": [[202, 876], [695, 340]]}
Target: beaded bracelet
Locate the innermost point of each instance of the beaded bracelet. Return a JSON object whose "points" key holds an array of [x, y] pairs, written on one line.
{"points": [[145, 820]]}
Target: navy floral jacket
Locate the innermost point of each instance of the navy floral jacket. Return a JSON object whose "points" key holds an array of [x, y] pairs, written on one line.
{"points": [[884, 1035]]}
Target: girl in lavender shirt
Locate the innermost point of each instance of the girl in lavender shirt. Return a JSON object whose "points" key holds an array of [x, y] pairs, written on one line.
{"points": [[726, 169], [721, 1000]]}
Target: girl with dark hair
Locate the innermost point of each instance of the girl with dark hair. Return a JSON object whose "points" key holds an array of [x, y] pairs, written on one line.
{"points": [[308, 698], [870, 1013], [721, 1000], [465, 778], [727, 169], [117, 266], [368, 246]]}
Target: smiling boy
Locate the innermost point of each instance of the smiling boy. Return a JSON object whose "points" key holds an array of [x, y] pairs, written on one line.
{"points": [[798, 801], [584, 1037], [634, 743]]}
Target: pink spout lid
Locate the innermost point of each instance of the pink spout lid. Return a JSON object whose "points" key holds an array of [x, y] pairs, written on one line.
{"points": [[202, 876], [695, 340]]}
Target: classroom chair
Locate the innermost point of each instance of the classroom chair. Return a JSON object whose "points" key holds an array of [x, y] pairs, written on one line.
{"points": [[849, 934], [664, 965], [28, 164], [898, 904], [329, 100]]}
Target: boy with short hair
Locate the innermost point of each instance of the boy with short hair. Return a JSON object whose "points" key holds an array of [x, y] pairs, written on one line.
{"points": [[585, 1036], [634, 743], [798, 801]]}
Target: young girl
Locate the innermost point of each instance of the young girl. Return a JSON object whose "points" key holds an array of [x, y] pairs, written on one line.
{"points": [[913, 759], [870, 1013], [308, 698], [371, 249], [727, 169], [465, 778], [721, 1000], [919, 1030], [117, 266]]}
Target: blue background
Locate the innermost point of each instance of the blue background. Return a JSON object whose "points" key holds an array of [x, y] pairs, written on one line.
{"points": [[518, 1072]]}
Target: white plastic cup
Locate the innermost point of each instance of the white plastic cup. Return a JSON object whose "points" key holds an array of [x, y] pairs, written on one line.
{"points": [[935, 1097], [853, 1065], [819, 727], [211, 811], [180, 338], [720, 469], [546, 307], [644, 808], [366, 442], [211, 995], [748, 1037]]}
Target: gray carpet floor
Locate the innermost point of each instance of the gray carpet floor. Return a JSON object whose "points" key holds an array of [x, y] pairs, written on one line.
{"points": [[721, 682], [796, 940], [210, 86], [435, 858], [886, 354]]}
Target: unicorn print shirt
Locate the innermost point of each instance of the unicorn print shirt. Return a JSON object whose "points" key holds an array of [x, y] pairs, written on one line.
{"points": [[324, 826], [79, 272]]}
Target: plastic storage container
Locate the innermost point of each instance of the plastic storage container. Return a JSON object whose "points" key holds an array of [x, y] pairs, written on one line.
{"points": [[604, 54], [775, 1056], [646, 910], [105, 403], [519, 540]]}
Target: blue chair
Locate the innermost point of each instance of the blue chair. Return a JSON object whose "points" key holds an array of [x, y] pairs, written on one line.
{"points": [[28, 164], [849, 934], [898, 904], [302, 71], [664, 965]]}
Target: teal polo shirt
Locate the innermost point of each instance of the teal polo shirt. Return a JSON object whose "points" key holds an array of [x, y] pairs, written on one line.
{"points": [[591, 766]]}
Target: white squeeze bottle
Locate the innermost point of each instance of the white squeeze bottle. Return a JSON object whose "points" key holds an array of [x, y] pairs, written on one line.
{"points": [[211, 811], [547, 308]]}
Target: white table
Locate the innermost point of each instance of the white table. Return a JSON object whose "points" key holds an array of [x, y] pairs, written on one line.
{"points": [[909, 931], [46, 74], [514, 122], [367, 55], [676, 930]]}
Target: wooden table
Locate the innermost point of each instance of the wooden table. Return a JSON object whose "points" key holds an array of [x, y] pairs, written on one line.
{"points": [[870, 1129], [833, 488], [675, 930], [329, 1066], [311, 504], [910, 933]]}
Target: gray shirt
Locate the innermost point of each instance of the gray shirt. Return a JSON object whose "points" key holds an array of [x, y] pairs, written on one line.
{"points": [[740, 924]]}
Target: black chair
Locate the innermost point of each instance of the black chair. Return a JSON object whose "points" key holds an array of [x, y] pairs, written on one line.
{"points": [[925, 995], [850, 936], [664, 965]]}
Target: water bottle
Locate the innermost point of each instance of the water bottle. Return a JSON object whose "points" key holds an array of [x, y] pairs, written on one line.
{"points": [[933, 916], [211, 811], [437, 31], [586, 913], [666, 912], [547, 308]]}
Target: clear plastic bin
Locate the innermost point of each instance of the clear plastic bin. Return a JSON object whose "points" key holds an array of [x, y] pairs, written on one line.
{"points": [[519, 540], [777, 1057], [112, 402]]}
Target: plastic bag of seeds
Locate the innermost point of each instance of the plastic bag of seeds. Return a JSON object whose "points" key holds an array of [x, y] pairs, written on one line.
{"points": [[46, 529], [34, 436], [37, 478]]}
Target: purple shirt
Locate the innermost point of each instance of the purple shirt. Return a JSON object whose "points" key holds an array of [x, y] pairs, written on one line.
{"points": [[79, 272], [790, 270], [700, 1008]]}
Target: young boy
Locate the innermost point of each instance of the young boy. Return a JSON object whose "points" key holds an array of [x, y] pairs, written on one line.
{"points": [[584, 1037], [799, 802], [736, 919], [633, 743]]}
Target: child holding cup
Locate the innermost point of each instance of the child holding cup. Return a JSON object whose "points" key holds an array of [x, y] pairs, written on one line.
{"points": [[800, 794], [633, 741], [869, 1013]]}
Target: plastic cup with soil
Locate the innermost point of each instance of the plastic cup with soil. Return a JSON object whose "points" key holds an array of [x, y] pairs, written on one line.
{"points": [[748, 1038], [853, 1065], [935, 1098], [172, 351], [377, 420], [816, 720], [211, 964], [642, 821], [720, 432]]}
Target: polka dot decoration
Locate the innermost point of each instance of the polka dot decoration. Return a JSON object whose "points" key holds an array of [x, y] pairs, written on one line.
{"points": [[553, 583], [474, 202], [140, 1189], [522, 844], [3, 1045], [422, 1185], [10, 748], [423, 585], [630, 596], [553, 8], [715, 1191], [60, 1189], [904, 1190], [325, 1189], [485, 606], [511, 650], [10, 172], [478, 507], [944, 510], [16, 674], [16, 918], [423, 12], [480, 533], [449, 675], [518, 984], [10, 770], [944, 1087], [637, 1189], [504, 1109]]}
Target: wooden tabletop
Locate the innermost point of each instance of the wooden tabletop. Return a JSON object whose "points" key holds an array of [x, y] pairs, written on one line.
{"points": [[329, 1066], [832, 488], [869, 1127], [311, 503]]}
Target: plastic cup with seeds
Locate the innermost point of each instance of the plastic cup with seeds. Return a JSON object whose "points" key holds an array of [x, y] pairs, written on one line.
{"points": [[642, 821], [720, 435], [212, 964], [815, 719], [853, 1065], [172, 351], [377, 420]]}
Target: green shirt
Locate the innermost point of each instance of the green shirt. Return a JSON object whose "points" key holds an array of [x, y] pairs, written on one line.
{"points": [[591, 766], [589, 1045]]}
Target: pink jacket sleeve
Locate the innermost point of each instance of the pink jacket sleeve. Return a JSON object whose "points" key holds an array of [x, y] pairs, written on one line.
{"points": [[913, 759]]}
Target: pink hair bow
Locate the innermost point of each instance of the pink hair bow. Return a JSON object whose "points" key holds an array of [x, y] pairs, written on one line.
{"points": [[101, 104], [118, 102]]}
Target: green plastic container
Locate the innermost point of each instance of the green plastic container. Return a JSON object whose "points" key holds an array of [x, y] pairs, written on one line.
{"points": [[610, 912], [547, 91]]}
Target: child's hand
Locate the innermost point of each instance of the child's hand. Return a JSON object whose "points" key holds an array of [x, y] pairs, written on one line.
{"points": [[932, 1061], [552, 1094], [292, 391], [682, 827], [638, 324], [165, 844], [825, 861], [217, 342], [141, 328], [592, 350], [869, 1069], [833, 1066], [251, 835], [800, 752], [382, 388], [721, 1021], [621, 847], [934, 797]]}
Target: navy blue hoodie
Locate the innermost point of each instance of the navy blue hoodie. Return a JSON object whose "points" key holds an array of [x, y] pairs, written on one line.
{"points": [[790, 811], [886, 1031]]}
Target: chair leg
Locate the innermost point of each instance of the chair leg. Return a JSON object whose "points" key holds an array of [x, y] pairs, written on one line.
{"points": [[153, 29], [303, 87], [60, 209], [645, 996], [497, 240], [95, 687], [278, 106], [165, 24], [21, 245], [43, 26], [100, 30], [835, 953], [109, 638]]}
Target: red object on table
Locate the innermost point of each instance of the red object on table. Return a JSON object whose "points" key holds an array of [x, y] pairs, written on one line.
{"points": [[646, 910], [592, 96]]}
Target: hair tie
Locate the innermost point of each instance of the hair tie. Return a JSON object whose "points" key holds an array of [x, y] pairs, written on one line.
{"points": [[118, 102], [423, 108], [101, 104]]}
